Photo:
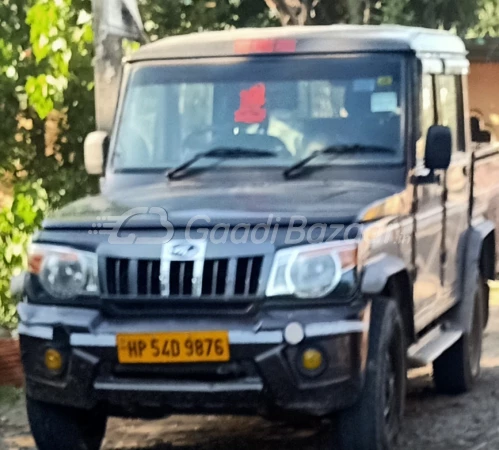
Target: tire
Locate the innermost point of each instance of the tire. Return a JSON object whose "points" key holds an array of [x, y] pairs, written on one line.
{"points": [[373, 423], [61, 428], [455, 371]]}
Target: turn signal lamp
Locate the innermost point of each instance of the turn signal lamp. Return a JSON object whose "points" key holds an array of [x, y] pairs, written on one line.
{"points": [[312, 359], [53, 360]]}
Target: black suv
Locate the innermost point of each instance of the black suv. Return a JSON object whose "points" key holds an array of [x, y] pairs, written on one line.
{"points": [[289, 219]]}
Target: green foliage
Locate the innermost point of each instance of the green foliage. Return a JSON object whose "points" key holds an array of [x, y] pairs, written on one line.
{"points": [[57, 32], [17, 224], [46, 87], [46, 79], [447, 14], [172, 17], [488, 20], [460, 16]]}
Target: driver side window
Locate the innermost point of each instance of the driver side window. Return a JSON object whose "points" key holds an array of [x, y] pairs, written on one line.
{"points": [[195, 107], [137, 132]]}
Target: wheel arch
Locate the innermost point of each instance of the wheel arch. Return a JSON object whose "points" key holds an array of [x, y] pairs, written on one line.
{"points": [[399, 287], [488, 256], [475, 258], [388, 276], [487, 270]]}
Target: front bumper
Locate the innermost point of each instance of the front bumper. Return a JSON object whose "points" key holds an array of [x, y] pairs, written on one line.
{"points": [[263, 376]]}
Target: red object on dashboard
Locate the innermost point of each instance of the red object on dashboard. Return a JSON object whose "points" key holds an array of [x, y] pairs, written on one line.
{"points": [[252, 105]]}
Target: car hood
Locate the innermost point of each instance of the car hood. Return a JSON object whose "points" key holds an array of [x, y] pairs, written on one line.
{"points": [[231, 203]]}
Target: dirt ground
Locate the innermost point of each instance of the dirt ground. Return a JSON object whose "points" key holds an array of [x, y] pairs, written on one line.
{"points": [[433, 422]]}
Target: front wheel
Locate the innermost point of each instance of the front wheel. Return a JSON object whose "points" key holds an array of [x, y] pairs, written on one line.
{"points": [[57, 427], [373, 423]]}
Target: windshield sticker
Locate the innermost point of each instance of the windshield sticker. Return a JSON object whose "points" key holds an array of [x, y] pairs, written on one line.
{"points": [[364, 85], [384, 102], [252, 105], [385, 81]]}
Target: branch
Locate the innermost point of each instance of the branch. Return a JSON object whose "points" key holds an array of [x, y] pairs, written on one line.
{"points": [[291, 12]]}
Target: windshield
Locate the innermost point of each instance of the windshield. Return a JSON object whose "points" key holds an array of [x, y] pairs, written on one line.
{"points": [[292, 106]]}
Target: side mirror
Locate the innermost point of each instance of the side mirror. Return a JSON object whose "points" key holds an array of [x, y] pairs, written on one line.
{"points": [[438, 148], [482, 137], [94, 151], [477, 134]]}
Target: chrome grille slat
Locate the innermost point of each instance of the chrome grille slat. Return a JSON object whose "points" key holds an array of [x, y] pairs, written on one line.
{"points": [[247, 278], [230, 278], [165, 278], [214, 278], [117, 275], [149, 277], [133, 267], [197, 278], [181, 276]]}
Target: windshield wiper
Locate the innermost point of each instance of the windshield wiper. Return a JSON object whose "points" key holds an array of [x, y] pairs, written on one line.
{"points": [[336, 150], [222, 153]]}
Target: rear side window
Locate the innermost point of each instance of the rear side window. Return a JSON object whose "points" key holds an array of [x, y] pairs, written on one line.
{"points": [[449, 113], [427, 116]]}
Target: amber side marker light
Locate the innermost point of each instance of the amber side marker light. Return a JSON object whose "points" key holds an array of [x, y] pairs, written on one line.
{"points": [[312, 359], [53, 360]]}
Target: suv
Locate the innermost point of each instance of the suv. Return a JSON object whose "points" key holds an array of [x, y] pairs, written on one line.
{"points": [[289, 220]]}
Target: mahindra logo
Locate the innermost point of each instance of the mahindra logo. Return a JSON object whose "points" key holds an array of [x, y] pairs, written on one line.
{"points": [[184, 250], [181, 250]]}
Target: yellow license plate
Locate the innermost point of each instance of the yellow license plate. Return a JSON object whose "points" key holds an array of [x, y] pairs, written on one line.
{"points": [[164, 348]]}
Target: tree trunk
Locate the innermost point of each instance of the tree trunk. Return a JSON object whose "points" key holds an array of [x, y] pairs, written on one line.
{"points": [[354, 11]]}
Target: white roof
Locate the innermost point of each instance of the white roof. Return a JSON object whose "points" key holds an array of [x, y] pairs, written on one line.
{"points": [[310, 39]]}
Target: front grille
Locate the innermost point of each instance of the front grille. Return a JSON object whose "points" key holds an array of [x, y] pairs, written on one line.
{"points": [[215, 278]]}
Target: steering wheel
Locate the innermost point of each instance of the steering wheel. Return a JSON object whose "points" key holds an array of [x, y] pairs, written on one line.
{"points": [[223, 136], [189, 141], [135, 151]]}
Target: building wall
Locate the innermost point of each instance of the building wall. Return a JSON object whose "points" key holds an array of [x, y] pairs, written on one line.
{"points": [[484, 95]]}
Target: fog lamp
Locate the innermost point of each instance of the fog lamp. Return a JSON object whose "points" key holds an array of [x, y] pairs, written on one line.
{"points": [[312, 359], [53, 360]]}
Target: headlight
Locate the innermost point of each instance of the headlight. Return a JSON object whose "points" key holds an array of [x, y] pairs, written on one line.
{"points": [[64, 272], [311, 271]]}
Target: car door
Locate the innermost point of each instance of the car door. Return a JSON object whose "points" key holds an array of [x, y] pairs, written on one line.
{"points": [[451, 114], [429, 221]]}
